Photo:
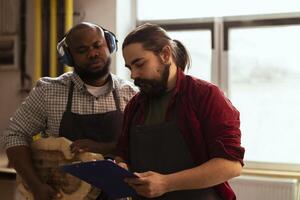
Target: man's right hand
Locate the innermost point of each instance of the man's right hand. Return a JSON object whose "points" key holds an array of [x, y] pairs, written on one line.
{"points": [[20, 158], [123, 165], [45, 192], [121, 162]]}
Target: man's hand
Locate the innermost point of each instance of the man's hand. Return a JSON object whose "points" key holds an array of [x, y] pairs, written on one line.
{"points": [[87, 145], [84, 145], [45, 192], [123, 165], [149, 184], [121, 162], [20, 158]]}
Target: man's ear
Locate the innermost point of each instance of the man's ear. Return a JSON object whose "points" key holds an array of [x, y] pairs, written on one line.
{"points": [[166, 54]]}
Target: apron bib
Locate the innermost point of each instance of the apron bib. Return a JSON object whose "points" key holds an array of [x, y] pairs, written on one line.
{"points": [[101, 127], [161, 148]]}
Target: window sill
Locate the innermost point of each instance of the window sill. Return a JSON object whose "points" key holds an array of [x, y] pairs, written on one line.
{"points": [[271, 173]]}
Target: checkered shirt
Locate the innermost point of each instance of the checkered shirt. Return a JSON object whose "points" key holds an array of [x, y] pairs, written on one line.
{"points": [[42, 110]]}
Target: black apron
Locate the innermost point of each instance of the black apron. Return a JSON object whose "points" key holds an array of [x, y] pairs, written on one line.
{"points": [[101, 127], [161, 148]]}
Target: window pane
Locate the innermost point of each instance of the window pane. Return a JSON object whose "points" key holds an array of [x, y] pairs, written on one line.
{"points": [[198, 44], [264, 76], [178, 9]]}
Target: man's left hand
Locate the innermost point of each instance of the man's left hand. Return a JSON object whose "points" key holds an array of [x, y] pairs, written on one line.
{"points": [[149, 184], [84, 145]]}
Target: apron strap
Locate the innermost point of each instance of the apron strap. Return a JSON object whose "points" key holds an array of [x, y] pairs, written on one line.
{"points": [[70, 98], [117, 100]]}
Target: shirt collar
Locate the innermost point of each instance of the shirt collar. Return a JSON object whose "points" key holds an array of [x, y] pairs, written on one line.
{"points": [[180, 82], [79, 84]]}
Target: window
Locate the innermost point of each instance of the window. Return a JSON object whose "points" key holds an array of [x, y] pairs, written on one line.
{"points": [[8, 52], [178, 9], [265, 86], [198, 44]]}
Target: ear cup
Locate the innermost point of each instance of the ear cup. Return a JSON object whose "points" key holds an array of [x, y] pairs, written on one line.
{"points": [[111, 41], [64, 56]]}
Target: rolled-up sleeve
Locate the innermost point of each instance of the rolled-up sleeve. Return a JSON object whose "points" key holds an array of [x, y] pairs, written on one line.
{"points": [[222, 127], [27, 121]]}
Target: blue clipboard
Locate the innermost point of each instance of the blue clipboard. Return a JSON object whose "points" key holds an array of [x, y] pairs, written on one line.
{"points": [[103, 174]]}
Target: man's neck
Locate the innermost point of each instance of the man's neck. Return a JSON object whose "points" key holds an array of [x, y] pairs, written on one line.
{"points": [[99, 82], [172, 77]]}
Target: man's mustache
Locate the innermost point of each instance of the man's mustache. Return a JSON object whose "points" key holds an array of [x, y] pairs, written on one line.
{"points": [[139, 82]]}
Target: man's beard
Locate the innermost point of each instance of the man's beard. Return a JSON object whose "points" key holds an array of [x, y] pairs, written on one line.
{"points": [[89, 75], [154, 88]]}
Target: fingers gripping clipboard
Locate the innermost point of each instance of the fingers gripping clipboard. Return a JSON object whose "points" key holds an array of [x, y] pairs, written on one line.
{"points": [[103, 174]]}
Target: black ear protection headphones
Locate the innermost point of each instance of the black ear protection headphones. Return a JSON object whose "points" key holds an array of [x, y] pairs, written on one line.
{"points": [[65, 57]]}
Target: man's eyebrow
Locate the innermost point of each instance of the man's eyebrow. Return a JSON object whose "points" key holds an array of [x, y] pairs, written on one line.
{"points": [[80, 46], [136, 60], [133, 62]]}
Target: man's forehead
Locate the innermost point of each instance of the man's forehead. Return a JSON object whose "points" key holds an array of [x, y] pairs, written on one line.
{"points": [[84, 33], [134, 50], [84, 36]]}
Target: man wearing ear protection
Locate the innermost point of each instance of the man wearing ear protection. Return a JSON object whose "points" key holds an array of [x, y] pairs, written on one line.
{"points": [[85, 106]]}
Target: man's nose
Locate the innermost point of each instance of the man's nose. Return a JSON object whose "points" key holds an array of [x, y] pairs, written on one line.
{"points": [[134, 74], [93, 53]]}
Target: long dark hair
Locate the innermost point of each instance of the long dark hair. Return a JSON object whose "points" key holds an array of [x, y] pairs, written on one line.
{"points": [[155, 38]]}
